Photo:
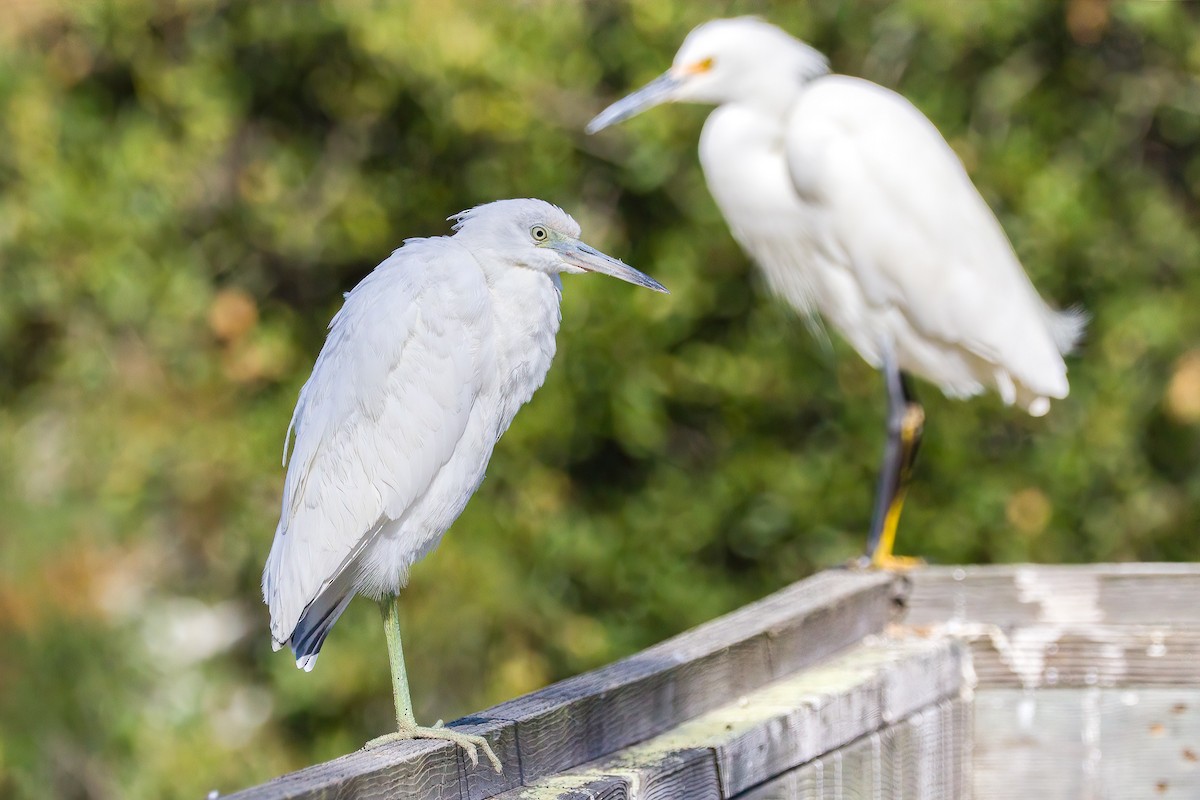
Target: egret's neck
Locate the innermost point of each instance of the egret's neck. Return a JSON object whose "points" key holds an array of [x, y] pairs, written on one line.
{"points": [[738, 135], [779, 77], [774, 97]]}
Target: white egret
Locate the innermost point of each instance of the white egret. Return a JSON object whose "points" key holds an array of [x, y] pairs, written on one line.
{"points": [[856, 209], [425, 366]]}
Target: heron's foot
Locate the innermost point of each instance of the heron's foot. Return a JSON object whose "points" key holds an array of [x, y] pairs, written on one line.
{"points": [[470, 743]]}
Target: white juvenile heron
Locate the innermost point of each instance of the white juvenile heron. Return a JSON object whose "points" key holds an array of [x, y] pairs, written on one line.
{"points": [[856, 208], [424, 368]]}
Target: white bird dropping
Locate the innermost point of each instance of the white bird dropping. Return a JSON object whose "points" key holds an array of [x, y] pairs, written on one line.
{"points": [[855, 208], [424, 368]]}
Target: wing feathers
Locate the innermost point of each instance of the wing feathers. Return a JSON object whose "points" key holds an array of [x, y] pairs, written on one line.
{"points": [[903, 217], [389, 398]]}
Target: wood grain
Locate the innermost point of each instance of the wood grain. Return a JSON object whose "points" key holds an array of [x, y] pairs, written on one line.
{"points": [[755, 738], [1095, 625], [420, 770], [1027, 594], [1095, 743], [585, 718], [918, 758], [1104, 655], [595, 714], [1089, 675], [687, 772]]}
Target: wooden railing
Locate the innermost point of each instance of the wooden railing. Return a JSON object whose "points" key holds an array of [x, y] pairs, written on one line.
{"points": [[946, 683]]}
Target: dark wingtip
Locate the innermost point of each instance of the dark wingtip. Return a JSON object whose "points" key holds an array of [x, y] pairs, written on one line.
{"points": [[314, 626]]}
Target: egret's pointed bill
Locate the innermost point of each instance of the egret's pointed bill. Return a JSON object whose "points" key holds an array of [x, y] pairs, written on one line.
{"points": [[578, 254], [656, 92]]}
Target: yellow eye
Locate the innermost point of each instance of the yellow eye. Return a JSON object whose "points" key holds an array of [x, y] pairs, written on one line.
{"points": [[704, 65], [539, 233]]}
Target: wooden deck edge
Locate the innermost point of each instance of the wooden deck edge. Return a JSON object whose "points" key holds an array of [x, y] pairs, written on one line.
{"points": [[1024, 626], [754, 739], [598, 713], [923, 755], [1105, 656], [1037, 627], [1087, 742], [1026, 594]]}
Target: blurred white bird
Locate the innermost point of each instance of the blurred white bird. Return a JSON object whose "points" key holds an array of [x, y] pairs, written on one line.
{"points": [[856, 209], [424, 368]]}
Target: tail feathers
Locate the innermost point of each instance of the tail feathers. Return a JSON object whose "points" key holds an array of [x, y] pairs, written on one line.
{"points": [[315, 623], [1066, 327]]}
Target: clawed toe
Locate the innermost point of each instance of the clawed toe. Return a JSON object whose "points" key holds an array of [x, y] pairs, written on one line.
{"points": [[470, 743]]}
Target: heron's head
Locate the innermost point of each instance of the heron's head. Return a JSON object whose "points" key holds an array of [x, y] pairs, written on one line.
{"points": [[740, 60], [533, 234]]}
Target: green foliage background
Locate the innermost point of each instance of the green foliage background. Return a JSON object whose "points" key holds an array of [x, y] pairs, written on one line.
{"points": [[187, 187]]}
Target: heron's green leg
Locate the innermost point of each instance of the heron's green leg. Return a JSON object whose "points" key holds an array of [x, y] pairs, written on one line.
{"points": [[405, 721], [906, 421], [390, 606]]}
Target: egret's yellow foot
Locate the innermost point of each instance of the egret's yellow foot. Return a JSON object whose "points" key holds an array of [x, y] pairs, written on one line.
{"points": [[911, 427], [883, 557], [468, 742], [893, 563]]}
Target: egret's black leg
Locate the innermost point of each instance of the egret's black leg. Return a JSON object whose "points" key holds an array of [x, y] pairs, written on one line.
{"points": [[905, 423]]}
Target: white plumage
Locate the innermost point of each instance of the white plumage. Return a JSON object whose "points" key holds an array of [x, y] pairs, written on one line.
{"points": [[909, 254], [424, 368], [856, 208]]}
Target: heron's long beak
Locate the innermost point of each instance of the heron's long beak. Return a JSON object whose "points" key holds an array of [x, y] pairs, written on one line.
{"points": [[580, 255], [658, 91]]}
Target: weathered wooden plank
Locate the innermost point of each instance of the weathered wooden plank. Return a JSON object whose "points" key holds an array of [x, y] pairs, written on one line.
{"points": [[598, 713], [918, 758], [937, 764], [1095, 743], [1093, 627], [1107, 625], [1028, 594], [420, 770], [1150, 743], [689, 773], [1096, 655], [820, 709], [592, 786], [787, 723], [587, 717], [1031, 744]]}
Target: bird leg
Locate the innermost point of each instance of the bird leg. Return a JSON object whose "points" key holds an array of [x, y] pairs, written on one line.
{"points": [[405, 721], [906, 422]]}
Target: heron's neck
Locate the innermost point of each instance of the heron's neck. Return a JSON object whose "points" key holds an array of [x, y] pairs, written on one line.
{"points": [[525, 304]]}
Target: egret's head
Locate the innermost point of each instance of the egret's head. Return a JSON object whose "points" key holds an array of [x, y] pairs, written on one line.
{"points": [[533, 234], [726, 61]]}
